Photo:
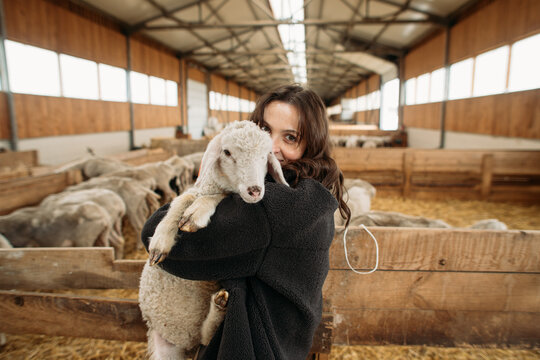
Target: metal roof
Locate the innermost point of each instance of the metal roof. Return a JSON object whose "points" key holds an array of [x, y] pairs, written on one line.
{"points": [[346, 40]]}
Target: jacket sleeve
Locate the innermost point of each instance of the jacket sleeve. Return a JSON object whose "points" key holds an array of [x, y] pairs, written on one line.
{"points": [[231, 246]]}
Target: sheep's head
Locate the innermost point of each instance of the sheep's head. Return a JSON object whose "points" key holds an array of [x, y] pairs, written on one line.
{"points": [[243, 156]]}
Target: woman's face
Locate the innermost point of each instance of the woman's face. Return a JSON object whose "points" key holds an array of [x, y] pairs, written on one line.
{"points": [[281, 120]]}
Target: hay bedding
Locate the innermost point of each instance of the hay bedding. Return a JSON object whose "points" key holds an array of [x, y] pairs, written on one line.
{"points": [[455, 212]]}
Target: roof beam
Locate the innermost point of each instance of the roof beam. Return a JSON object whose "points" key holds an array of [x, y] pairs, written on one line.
{"points": [[434, 18], [273, 23]]}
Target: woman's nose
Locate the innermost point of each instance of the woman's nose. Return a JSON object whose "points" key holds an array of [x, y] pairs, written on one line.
{"points": [[275, 145]]}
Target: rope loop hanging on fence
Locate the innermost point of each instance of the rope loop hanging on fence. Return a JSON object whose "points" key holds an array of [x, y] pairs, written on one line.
{"points": [[376, 251]]}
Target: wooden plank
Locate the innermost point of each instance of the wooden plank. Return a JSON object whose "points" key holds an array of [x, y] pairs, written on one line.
{"points": [[359, 159], [142, 156], [408, 159], [94, 317], [516, 162], [374, 326], [432, 290], [465, 250], [30, 191], [12, 159], [68, 315], [67, 268]]}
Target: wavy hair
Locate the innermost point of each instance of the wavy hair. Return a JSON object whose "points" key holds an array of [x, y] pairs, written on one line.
{"points": [[316, 162]]}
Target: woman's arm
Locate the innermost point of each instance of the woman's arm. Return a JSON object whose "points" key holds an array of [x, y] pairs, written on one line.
{"points": [[231, 246]]}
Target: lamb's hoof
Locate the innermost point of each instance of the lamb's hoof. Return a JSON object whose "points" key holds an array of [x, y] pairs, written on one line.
{"points": [[221, 298], [186, 224], [156, 257]]}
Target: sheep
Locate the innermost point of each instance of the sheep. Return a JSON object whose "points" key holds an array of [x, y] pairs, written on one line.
{"points": [[489, 224], [183, 170], [359, 195], [381, 218], [195, 159], [77, 220], [181, 314], [94, 166], [139, 200]]}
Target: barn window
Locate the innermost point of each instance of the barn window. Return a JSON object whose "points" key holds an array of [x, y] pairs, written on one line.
{"points": [[172, 92], [410, 91], [461, 79], [436, 89], [524, 69], [79, 77], [422, 88], [157, 91], [32, 70], [361, 103], [139, 88], [112, 83], [490, 72]]}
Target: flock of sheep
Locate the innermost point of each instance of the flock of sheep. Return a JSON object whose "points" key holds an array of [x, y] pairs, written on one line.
{"points": [[91, 213], [363, 141]]}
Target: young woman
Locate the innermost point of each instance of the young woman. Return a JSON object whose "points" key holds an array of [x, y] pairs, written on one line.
{"points": [[272, 256]]}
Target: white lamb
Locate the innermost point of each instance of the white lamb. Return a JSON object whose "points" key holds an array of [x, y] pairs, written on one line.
{"points": [[181, 314]]}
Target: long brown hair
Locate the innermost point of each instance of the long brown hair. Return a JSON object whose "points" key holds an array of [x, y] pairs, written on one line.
{"points": [[316, 162]]}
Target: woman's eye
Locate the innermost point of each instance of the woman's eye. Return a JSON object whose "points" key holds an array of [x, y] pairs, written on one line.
{"points": [[265, 128], [227, 152], [290, 138]]}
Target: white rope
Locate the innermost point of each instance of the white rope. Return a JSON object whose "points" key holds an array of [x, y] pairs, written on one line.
{"points": [[376, 248]]}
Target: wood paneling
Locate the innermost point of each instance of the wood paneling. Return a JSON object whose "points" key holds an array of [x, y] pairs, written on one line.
{"points": [[513, 115], [373, 83], [5, 131], [425, 58], [195, 74], [496, 24], [41, 23], [426, 116], [218, 84], [149, 60], [39, 116], [154, 116]]}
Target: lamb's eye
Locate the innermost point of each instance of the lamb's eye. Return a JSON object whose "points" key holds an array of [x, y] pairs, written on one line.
{"points": [[227, 152]]}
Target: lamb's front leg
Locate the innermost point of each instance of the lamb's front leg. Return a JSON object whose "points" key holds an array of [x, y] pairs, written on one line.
{"points": [[197, 216], [164, 236]]}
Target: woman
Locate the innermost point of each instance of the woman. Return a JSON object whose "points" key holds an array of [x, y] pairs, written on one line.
{"points": [[272, 256]]}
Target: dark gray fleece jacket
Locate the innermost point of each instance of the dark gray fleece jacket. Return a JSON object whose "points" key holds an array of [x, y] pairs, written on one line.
{"points": [[272, 258]]}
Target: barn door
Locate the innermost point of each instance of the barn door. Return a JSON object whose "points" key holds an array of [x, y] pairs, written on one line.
{"points": [[197, 108]]}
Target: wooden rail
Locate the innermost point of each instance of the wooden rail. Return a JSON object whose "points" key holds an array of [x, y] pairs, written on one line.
{"points": [[443, 174], [434, 286], [15, 164]]}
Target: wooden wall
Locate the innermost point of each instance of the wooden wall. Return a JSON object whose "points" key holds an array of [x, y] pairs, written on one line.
{"points": [[361, 89], [223, 86], [515, 114], [68, 28]]}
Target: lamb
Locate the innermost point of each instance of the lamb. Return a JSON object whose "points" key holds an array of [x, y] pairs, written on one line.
{"points": [[181, 314], [359, 195], [67, 219]]}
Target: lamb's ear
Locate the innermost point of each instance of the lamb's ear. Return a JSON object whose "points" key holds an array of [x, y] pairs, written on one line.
{"points": [[274, 169], [210, 156]]}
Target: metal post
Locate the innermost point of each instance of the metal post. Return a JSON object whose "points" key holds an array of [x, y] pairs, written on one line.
{"points": [[129, 96], [401, 101], [14, 140], [446, 86]]}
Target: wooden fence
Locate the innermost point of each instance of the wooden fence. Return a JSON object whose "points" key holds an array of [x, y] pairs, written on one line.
{"points": [[434, 286], [442, 174]]}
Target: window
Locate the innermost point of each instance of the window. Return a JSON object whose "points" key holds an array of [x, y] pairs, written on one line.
{"points": [[32, 70], [234, 103], [461, 79], [361, 103], [112, 83], [157, 91], [172, 93], [436, 89], [139, 88], [422, 88], [389, 106], [410, 91], [490, 72], [524, 69], [79, 78]]}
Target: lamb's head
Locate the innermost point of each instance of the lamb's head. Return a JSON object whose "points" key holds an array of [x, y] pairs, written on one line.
{"points": [[243, 156]]}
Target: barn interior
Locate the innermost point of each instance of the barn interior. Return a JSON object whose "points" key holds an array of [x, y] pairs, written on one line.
{"points": [[434, 103]]}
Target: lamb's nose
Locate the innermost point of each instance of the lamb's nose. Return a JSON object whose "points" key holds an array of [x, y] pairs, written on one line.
{"points": [[254, 191]]}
